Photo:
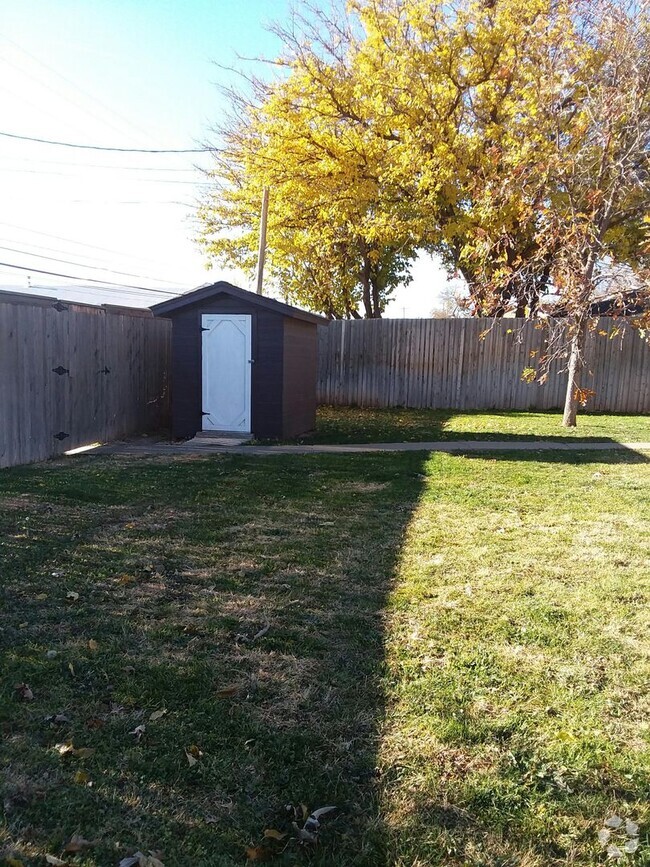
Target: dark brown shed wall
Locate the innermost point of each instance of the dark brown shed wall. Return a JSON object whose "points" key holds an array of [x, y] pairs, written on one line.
{"points": [[266, 375], [300, 371]]}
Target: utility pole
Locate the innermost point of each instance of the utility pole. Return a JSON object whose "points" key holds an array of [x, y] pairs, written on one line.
{"points": [[261, 253]]}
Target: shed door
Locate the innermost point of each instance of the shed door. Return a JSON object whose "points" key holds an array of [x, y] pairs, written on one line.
{"points": [[226, 363]]}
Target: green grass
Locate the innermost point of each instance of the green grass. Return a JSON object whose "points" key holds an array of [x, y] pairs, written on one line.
{"points": [[357, 425], [456, 657]]}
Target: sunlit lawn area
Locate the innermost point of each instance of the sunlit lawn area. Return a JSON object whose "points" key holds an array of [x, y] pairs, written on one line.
{"points": [[451, 651], [365, 425]]}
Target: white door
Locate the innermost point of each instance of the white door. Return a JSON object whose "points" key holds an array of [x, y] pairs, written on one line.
{"points": [[226, 348]]}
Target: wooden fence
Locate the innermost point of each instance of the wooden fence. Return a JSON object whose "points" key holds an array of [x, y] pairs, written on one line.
{"points": [[445, 364], [73, 374]]}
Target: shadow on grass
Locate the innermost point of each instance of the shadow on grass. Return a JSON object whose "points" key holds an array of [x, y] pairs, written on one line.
{"points": [[243, 597], [590, 454], [348, 424]]}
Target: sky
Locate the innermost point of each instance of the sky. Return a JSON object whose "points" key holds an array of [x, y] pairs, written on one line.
{"points": [[133, 74]]}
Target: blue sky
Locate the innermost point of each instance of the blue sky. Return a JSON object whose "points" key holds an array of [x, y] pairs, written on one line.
{"points": [[122, 73]]}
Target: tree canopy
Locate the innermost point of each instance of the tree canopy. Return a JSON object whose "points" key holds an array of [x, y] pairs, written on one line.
{"points": [[510, 138]]}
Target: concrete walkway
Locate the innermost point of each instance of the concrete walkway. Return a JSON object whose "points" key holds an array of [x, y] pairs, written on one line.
{"points": [[139, 447]]}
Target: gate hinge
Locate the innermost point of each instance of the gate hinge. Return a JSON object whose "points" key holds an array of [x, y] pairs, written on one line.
{"points": [[204, 329]]}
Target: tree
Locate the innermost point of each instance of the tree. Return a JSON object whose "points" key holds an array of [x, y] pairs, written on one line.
{"points": [[451, 304], [588, 183], [384, 138], [331, 245]]}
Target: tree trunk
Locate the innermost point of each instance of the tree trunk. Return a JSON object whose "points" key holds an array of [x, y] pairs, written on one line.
{"points": [[365, 286], [376, 311], [576, 363]]}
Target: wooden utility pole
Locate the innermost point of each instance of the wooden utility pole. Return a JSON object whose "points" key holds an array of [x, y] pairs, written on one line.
{"points": [[261, 253]]}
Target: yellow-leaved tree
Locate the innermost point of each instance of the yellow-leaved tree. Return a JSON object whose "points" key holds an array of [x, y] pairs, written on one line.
{"points": [[331, 242]]}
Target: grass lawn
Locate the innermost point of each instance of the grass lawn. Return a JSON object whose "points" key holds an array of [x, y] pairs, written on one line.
{"points": [[342, 424], [452, 651]]}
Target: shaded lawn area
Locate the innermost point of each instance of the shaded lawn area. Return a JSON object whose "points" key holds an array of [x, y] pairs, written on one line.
{"points": [[347, 424], [456, 657]]}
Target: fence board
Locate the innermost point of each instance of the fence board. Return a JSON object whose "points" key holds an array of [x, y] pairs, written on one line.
{"points": [[444, 364], [113, 382]]}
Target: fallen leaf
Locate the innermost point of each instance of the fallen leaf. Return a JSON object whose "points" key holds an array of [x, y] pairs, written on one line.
{"points": [[56, 862], [94, 722], [613, 822], [76, 844], [262, 632], [14, 862], [71, 669], [302, 834], [57, 719], [138, 731], [131, 860], [93, 645], [81, 777], [64, 749], [23, 692], [149, 860], [193, 754], [227, 691], [157, 714], [322, 811], [72, 595], [258, 853], [272, 834], [84, 752], [125, 579]]}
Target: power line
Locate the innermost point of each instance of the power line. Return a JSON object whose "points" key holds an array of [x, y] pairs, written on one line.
{"points": [[88, 259], [66, 144], [82, 265], [131, 180], [87, 279], [103, 166], [77, 243], [91, 96]]}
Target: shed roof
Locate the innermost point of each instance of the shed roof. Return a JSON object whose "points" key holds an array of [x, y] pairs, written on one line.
{"points": [[211, 290]]}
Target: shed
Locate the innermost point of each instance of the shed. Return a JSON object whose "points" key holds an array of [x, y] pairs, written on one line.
{"points": [[241, 363]]}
